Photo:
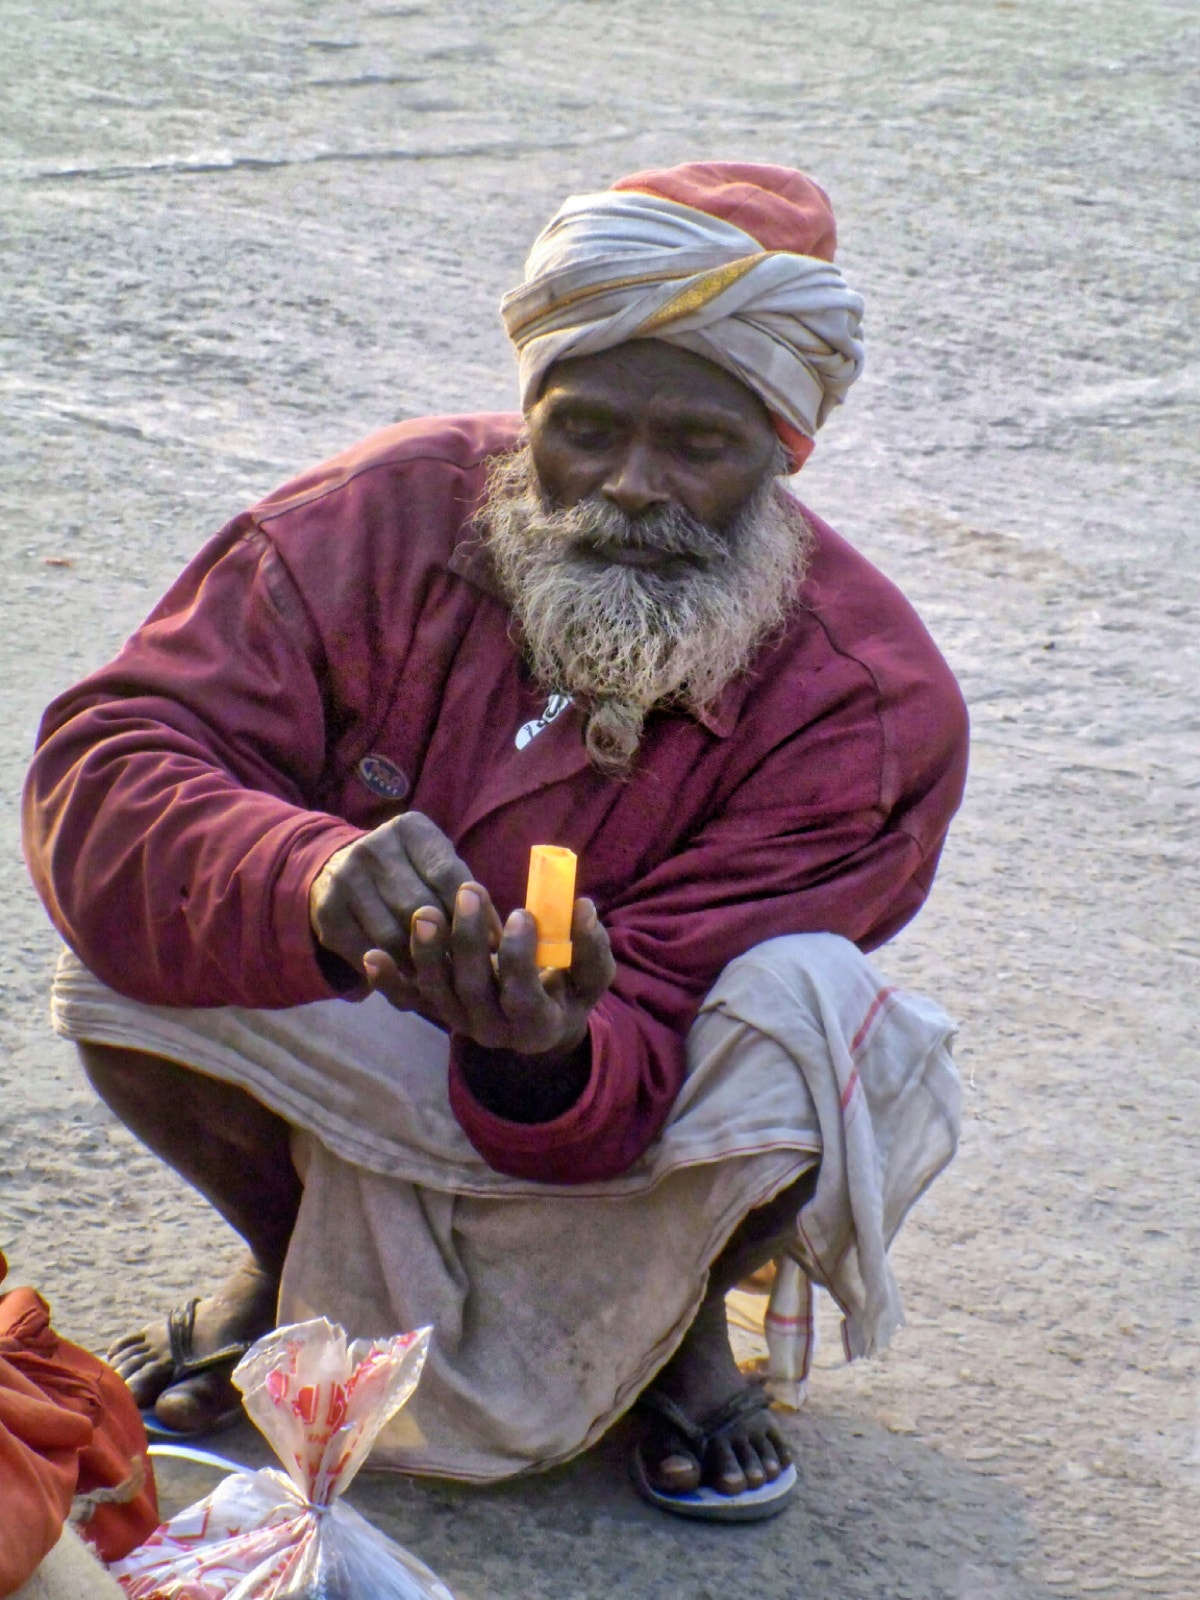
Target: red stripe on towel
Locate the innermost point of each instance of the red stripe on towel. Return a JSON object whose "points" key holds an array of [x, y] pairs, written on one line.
{"points": [[873, 1012]]}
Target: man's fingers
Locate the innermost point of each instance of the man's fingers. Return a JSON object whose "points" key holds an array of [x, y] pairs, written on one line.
{"points": [[428, 942], [472, 936], [523, 997], [495, 928], [403, 865], [380, 969], [370, 886], [385, 977], [481, 980], [592, 965], [383, 929], [432, 856], [429, 948], [339, 930]]}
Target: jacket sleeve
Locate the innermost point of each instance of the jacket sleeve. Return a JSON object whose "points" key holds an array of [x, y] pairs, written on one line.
{"points": [[167, 820], [804, 844]]}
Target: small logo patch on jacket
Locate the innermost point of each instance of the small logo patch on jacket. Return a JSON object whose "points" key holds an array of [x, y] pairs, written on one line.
{"points": [[383, 777], [555, 707]]}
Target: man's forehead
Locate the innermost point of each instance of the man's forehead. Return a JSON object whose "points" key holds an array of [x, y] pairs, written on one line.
{"points": [[650, 371]]}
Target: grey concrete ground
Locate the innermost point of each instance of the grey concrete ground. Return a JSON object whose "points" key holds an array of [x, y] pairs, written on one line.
{"points": [[235, 237]]}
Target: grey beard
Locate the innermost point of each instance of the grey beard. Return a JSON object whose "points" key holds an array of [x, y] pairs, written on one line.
{"points": [[624, 640]]}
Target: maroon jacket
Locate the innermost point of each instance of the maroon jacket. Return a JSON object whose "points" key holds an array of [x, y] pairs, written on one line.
{"points": [[184, 797]]}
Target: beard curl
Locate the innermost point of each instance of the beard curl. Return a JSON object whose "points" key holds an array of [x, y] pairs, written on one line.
{"points": [[613, 735], [624, 640]]}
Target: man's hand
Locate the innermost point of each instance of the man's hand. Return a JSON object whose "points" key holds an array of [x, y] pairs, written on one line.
{"points": [[501, 1000], [400, 906], [365, 895]]}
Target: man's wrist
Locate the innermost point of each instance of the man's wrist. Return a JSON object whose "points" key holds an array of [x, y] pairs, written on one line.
{"points": [[525, 1088]]}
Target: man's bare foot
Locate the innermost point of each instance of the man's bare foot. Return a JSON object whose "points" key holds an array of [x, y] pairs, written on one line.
{"points": [[242, 1309], [701, 1378]]}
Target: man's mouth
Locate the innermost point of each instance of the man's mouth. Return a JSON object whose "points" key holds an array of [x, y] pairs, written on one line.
{"points": [[643, 556]]}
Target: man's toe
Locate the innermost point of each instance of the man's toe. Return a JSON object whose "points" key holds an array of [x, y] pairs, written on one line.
{"points": [[676, 1473], [194, 1404], [753, 1468], [770, 1461], [724, 1469], [133, 1345], [144, 1375], [776, 1441]]}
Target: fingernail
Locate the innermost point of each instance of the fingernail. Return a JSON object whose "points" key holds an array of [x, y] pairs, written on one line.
{"points": [[516, 921], [468, 902], [424, 929]]}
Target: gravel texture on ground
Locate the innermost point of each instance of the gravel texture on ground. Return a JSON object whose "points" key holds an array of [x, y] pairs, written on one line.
{"points": [[237, 237]]}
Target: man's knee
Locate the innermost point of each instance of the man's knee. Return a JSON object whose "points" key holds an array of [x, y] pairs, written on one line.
{"points": [[785, 987], [112, 1066], [135, 1084], [794, 954], [143, 1089]]}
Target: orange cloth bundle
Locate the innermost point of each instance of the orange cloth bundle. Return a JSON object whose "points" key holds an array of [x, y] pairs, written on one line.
{"points": [[68, 1428]]}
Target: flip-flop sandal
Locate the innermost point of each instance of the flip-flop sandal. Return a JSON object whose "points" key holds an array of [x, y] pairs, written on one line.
{"points": [[705, 1504], [181, 1328]]}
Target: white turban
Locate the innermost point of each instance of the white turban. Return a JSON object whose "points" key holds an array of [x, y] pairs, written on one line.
{"points": [[627, 265]]}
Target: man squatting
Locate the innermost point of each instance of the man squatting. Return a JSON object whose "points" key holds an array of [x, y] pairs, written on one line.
{"points": [[284, 836]]}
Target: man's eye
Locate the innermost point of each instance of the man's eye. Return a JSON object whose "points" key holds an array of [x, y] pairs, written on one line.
{"points": [[702, 446], [587, 435]]}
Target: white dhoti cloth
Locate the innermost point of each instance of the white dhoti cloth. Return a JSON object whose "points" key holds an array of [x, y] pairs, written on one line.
{"points": [[554, 1306]]}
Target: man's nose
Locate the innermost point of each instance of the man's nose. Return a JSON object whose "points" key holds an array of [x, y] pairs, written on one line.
{"points": [[635, 481]]}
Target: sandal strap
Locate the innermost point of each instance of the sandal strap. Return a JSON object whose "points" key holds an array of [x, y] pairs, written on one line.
{"points": [[185, 1363], [745, 1403], [661, 1405], [181, 1326], [751, 1402]]}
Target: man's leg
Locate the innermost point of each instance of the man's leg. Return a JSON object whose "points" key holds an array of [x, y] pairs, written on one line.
{"points": [[702, 1375], [237, 1154]]}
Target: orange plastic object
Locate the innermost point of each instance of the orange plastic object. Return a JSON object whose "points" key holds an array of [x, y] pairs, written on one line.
{"points": [[550, 899]]}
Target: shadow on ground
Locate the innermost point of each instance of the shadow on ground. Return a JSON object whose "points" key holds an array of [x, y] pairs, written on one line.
{"points": [[926, 1528]]}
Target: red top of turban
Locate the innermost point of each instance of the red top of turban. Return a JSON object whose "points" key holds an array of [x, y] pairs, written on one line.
{"points": [[777, 206]]}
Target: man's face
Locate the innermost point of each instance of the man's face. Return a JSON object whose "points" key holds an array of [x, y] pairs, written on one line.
{"points": [[647, 426], [641, 539]]}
